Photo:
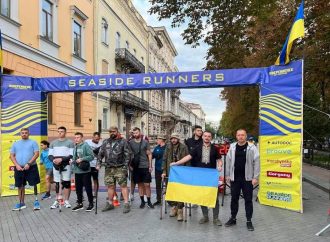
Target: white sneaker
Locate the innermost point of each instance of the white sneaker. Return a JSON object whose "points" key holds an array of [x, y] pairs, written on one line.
{"points": [[55, 205], [67, 204]]}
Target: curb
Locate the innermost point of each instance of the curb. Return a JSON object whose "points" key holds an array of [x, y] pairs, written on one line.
{"points": [[319, 186]]}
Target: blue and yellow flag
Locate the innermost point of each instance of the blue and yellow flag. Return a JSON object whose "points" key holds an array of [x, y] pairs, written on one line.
{"points": [[297, 30], [1, 60], [193, 185]]}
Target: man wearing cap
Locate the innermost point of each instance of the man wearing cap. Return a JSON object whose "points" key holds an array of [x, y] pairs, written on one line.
{"points": [[116, 155], [174, 151], [158, 154]]}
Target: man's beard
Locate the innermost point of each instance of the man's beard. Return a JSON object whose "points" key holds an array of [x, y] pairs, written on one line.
{"points": [[113, 136]]}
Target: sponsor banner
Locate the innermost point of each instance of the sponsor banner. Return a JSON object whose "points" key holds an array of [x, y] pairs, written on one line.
{"points": [[281, 138]]}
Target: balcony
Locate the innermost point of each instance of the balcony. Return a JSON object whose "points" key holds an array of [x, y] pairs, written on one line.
{"points": [[129, 100], [128, 61], [169, 116]]}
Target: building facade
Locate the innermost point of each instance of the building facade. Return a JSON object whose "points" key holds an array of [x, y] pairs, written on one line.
{"points": [[120, 47], [50, 38]]}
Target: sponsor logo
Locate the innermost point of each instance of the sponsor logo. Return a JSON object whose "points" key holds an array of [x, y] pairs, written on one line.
{"points": [[278, 151], [279, 185], [283, 163], [279, 174], [11, 168], [279, 142], [279, 196], [281, 72]]}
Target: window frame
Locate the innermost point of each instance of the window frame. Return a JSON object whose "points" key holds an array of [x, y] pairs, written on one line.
{"points": [[74, 35], [45, 33], [77, 96], [104, 31], [8, 10]]}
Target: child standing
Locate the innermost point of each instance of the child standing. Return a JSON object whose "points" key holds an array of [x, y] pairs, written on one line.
{"points": [[49, 167]]}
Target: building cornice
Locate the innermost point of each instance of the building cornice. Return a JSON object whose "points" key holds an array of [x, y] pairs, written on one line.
{"points": [[19, 48]]}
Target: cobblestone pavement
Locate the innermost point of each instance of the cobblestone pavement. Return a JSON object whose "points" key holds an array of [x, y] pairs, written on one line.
{"points": [[271, 224]]}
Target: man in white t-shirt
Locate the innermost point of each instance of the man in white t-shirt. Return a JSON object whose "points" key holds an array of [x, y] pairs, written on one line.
{"points": [[95, 143]]}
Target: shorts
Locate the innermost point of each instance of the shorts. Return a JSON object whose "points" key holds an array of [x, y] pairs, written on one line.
{"points": [[141, 175], [115, 174], [63, 175], [49, 172], [31, 176], [94, 173]]}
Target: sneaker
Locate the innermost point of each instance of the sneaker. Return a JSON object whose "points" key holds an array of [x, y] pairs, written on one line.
{"points": [[67, 204], [19, 206], [157, 203], [127, 208], [108, 207], [55, 205], [231, 222], [36, 205], [149, 205], [217, 222], [46, 196], [203, 220], [249, 226], [142, 205], [90, 208], [78, 207]]}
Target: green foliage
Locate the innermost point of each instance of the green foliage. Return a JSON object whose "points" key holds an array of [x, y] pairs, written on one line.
{"points": [[250, 33]]}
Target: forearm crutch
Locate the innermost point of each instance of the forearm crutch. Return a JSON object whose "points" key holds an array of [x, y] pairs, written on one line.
{"points": [[96, 194]]}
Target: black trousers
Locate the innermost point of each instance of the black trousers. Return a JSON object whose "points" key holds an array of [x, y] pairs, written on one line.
{"points": [[158, 178], [84, 180], [247, 188]]}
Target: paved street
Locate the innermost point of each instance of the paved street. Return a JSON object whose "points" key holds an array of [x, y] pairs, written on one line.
{"points": [[271, 224]]}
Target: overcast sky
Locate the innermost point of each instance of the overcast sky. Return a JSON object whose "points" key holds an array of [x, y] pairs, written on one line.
{"points": [[188, 59]]}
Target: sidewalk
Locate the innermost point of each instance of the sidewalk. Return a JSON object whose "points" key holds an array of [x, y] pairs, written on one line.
{"points": [[317, 176]]}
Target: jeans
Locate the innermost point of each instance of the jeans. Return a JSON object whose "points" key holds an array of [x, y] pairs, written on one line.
{"points": [[247, 188], [84, 180]]}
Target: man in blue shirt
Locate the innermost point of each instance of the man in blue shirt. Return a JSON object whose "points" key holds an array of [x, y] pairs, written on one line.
{"points": [[158, 154], [24, 154]]}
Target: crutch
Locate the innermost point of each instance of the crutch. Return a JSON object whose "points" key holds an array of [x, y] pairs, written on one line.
{"points": [[185, 211], [96, 194], [162, 200]]}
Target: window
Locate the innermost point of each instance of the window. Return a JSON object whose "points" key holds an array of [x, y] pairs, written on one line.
{"points": [[134, 51], [104, 31], [50, 108], [5, 7], [127, 45], [47, 19], [77, 108], [117, 40], [105, 118], [76, 38]]}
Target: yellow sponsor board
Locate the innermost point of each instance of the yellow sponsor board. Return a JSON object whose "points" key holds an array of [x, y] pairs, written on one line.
{"points": [[7, 167], [280, 171]]}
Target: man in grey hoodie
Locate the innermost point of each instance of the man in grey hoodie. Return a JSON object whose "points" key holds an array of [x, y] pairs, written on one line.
{"points": [[243, 168]]}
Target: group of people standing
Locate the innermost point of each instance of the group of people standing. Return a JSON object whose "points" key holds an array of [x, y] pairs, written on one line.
{"points": [[132, 158]]}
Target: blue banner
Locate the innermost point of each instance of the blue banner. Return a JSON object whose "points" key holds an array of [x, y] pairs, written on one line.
{"points": [[197, 79]]}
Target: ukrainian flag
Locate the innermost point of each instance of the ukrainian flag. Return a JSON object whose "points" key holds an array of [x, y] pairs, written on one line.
{"points": [[297, 30], [193, 185]]}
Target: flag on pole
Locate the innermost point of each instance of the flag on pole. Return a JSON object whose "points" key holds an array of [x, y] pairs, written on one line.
{"points": [[297, 30], [193, 185]]}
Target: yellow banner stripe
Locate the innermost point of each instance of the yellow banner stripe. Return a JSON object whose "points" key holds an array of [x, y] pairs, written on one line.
{"points": [[201, 195], [22, 122], [23, 103], [277, 109], [281, 121], [282, 102], [14, 117], [281, 97], [23, 107], [16, 131]]}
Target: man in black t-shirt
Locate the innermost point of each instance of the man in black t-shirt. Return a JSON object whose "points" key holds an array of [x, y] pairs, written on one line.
{"points": [[195, 141], [205, 156], [243, 172]]}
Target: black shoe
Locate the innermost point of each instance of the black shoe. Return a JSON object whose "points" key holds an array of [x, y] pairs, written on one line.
{"points": [[78, 207], [90, 208], [157, 203], [231, 222], [249, 226], [142, 205], [149, 205]]}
